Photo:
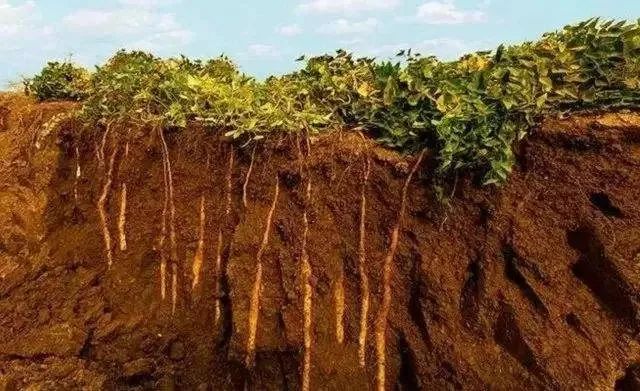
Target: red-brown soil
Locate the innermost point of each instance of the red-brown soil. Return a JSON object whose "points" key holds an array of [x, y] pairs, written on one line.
{"points": [[534, 285]]}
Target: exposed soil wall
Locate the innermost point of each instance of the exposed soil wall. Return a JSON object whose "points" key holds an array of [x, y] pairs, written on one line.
{"points": [[535, 285]]}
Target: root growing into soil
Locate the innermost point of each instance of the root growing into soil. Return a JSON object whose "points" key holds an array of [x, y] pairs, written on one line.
{"points": [[101, 207], [307, 299], [362, 258], [174, 287], [163, 229], [169, 204], [306, 272], [381, 321], [246, 180], [339, 302], [227, 212], [122, 218], [103, 144], [198, 258], [254, 308], [78, 175]]}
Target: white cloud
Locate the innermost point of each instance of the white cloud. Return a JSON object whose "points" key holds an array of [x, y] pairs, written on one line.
{"points": [[446, 12], [262, 50], [346, 6], [137, 27], [21, 26], [119, 21], [344, 26], [16, 20], [148, 3], [290, 30]]}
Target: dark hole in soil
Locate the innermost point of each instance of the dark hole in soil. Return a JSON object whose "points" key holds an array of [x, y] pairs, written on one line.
{"points": [[573, 321], [513, 274], [631, 379], [290, 179], [470, 296], [86, 350], [508, 335], [576, 324], [77, 217], [415, 307], [484, 215], [408, 378], [417, 314], [144, 381], [597, 271], [603, 203], [447, 372], [276, 368]]}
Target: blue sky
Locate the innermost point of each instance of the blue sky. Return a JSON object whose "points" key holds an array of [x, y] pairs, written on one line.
{"points": [[265, 36]]}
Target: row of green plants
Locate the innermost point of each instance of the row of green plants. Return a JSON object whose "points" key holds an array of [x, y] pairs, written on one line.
{"points": [[471, 111]]}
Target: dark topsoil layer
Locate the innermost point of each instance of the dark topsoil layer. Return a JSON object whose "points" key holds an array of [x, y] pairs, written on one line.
{"points": [[535, 285]]}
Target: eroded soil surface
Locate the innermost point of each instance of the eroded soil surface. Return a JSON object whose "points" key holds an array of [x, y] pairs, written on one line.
{"points": [[535, 285]]}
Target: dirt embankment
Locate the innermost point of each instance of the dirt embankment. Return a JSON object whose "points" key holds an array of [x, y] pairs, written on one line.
{"points": [[535, 285]]}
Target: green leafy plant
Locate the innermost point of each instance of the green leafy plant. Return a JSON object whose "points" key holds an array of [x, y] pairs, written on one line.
{"points": [[471, 111], [59, 81]]}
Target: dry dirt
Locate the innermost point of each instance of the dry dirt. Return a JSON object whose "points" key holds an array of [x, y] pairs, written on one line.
{"points": [[535, 285]]}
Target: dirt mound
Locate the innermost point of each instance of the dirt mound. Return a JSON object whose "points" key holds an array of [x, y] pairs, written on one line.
{"points": [[531, 286]]}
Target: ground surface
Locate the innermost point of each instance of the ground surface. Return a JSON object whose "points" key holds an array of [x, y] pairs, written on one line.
{"points": [[532, 286]]}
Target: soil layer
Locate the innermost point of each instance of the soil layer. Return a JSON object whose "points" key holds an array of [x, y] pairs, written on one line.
{"points": [[533, 285]]}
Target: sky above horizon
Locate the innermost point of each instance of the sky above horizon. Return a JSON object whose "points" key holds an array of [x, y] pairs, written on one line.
{"points": [[265, 37]]}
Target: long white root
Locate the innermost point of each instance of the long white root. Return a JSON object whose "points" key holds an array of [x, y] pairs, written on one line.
{"points": [[338, 297], [78, 176], [122, 218], [103, 145], [101, 208], [254, 308], [168, 207], [246, 180], [362, 260], [163, 230], [307, 297], [381, 321], [198, 258], [306, 273], [172, 226]]}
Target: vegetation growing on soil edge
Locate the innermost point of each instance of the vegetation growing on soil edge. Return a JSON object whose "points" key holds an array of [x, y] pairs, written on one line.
{"points": [[471, 111]]}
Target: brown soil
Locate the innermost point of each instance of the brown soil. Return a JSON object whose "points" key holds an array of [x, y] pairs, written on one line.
{"points": [[535, 285]]}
